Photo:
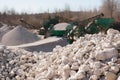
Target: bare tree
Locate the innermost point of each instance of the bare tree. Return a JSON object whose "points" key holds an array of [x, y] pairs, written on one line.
{"points": [[109, 7]]}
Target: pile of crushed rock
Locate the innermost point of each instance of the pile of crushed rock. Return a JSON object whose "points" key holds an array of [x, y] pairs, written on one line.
{"points": [[93, 57], [18, 35], [61, 26], [4, 29]]}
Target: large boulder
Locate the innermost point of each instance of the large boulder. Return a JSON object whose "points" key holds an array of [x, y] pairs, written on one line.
{"points": [[106, 54]]}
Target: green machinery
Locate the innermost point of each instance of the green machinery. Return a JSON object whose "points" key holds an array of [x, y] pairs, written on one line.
{"points": [[88, 26], [76, 29], [91, 25]]}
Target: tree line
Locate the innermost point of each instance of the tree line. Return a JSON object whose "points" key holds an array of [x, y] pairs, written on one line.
{"points": [[110, 8]]}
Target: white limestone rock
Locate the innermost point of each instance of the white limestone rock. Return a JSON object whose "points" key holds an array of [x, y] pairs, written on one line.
{"points": [[6, 51], [112, 31], [117, 45], [65, 60], [75, 66], [72, 78], [97, 72], [93, 77], [118, 78], [50, 73], [96, 65], [114, 59], [72, 73], [115, 69], [66, 72], [80, 75], [84, 67], [105, 68], [110, 76], [2, 47], [106, 54]]}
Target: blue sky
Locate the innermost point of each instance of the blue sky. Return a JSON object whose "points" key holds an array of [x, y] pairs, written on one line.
{"points": [[36, 6]]}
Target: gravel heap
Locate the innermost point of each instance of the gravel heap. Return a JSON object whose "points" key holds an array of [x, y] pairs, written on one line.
{"points": [[93, 57], [61, 26], [4, 29], [17, 36]]}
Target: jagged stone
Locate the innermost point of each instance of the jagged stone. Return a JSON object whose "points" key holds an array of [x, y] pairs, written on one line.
{"points": [[110, 76]]}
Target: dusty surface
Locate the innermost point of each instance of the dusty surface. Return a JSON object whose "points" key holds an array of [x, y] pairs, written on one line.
{"points": [[45, 45]]}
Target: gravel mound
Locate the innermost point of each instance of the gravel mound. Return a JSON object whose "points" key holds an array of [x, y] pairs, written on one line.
{"points": [[93, 57], [17, 36], [61, 26], [4, 29]]}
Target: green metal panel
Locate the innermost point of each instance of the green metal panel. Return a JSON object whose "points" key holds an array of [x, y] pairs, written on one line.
{"points": [[105, 22], [59, 33]]}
